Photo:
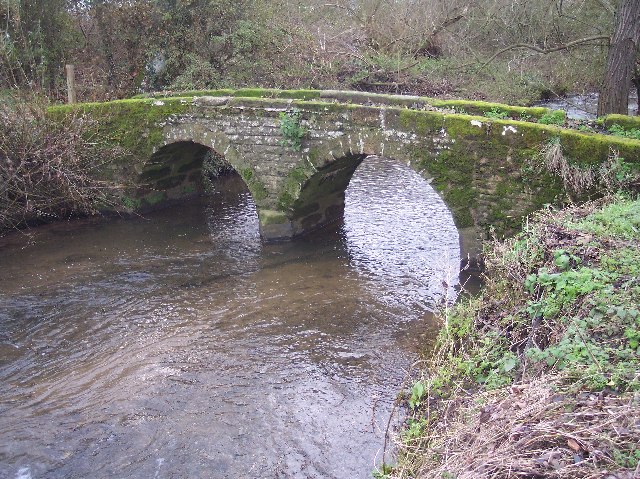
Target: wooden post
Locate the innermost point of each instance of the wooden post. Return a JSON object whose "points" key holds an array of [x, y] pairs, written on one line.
{"points": [[71, 83]]}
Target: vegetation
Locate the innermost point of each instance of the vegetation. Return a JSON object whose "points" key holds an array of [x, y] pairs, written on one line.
{"points": [[556, 117], [510, 51], [291, 129], [48, 168], [538, 376], [617, 130], [581, 179]]}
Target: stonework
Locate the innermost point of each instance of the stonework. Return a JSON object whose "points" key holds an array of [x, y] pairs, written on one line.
{"points": [[480, 166]]}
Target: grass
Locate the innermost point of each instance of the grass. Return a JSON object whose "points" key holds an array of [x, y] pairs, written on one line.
{"points": [[539, 376]]}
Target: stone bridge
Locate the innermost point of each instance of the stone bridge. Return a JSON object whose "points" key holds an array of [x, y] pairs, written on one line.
{"points": [[486, 169]]}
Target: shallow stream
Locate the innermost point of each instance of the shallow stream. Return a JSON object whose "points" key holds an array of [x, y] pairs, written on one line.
{"points": [[177, 345]]}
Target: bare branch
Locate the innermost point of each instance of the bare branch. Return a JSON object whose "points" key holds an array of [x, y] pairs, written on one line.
{"points": [[545, 51]]}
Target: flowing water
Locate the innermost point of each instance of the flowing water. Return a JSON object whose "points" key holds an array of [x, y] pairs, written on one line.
{"points": [[178, 346], [584, 106]]}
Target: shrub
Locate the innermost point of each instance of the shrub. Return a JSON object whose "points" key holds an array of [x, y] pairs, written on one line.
{"points": [[47, 167]]}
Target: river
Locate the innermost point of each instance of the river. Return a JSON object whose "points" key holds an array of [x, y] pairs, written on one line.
{"points": [[177, 345], [579, 106]]}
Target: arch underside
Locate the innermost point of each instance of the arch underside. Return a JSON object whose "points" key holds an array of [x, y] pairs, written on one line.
{"points": [[174, 171], [321, 199]]}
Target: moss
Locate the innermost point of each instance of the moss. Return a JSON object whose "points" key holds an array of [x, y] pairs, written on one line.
{"points": [[185, 94], [136, 125], [255, 93], [271, 217], [154, 198], [450, 168], [625, 121], [481, 107], [366, 98], [459, 126], [462, 218], [292, 187], [460, 200], [315, 156], [507, 187], [420, 122], [247, 174], [592, 148], [298, 94], [256, 187]]}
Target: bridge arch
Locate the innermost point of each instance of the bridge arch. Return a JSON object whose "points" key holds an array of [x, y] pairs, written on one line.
{"points": [[320, 198], [174, 170]]}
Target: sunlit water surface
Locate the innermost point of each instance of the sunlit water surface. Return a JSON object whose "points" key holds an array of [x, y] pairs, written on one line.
{"points": [[177, 345]]}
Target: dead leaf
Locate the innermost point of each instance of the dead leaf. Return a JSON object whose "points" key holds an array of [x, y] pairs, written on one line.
{"points": [[573, 444]]}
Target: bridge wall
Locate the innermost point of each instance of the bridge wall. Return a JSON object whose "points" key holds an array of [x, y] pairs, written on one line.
{"points": [[485, 169]]}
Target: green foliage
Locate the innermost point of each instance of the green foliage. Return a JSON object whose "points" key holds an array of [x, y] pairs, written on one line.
{"points": [[417, 393], [554, 117], [131, 203], [384, 472], [37, 39], [629, 458], [620, 219], [618, 130], [415, 429], [559, 315], [575, 309], [291, 128], [197, 74], [497, 114]]}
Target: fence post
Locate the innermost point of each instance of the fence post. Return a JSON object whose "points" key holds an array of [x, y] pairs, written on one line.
{"points": [[71, 84]]}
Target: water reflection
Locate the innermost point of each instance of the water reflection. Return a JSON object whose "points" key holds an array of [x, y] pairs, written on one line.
{"points": [[179, 346], [398, 228]]}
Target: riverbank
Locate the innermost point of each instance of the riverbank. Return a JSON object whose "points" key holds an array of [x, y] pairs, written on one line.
{"points": [[539, 376]]}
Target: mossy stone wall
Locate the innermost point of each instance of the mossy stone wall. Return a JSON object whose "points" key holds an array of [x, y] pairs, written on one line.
{"points": [[482, 167]]}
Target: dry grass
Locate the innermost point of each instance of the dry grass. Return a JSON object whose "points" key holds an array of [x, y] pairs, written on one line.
{"points": [[610, 176], [529, 431]]}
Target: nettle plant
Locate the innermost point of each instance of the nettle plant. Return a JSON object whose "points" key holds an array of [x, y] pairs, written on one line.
{"points": [[291, 128]]}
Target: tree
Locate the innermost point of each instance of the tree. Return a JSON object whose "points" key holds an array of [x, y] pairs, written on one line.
{"points": [[621, 60], [35, 36]]}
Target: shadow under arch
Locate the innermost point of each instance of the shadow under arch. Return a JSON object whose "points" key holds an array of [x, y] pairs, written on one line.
{"points": [[322, 195], [173, 172], [321, 198]]}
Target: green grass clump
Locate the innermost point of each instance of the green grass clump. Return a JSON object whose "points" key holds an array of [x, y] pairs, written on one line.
{"points": [[554, 117], [497, 114], [620, 219], [617, 130]]}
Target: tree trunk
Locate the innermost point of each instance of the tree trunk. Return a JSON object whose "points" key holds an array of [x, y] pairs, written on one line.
{"points": [[636, 83], [614, 95]]}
